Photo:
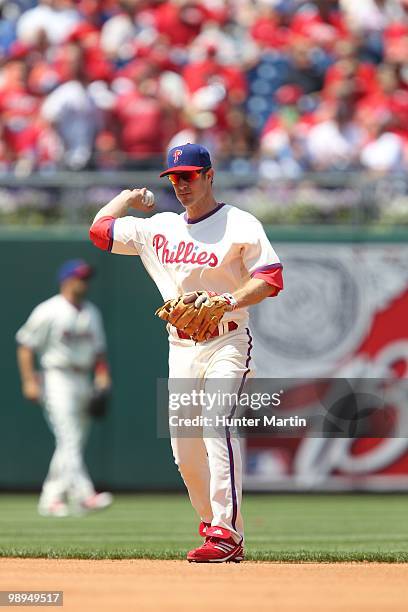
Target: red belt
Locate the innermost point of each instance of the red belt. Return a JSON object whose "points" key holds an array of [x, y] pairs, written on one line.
{"points": [[75, 369], [231, 326]]}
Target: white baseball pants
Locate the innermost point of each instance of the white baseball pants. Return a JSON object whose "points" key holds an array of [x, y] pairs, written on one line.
{"points": [[66, 397], [211, 467]]}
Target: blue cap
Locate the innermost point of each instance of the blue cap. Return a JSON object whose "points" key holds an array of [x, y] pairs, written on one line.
{"points": [[75, 268], [187, 157]]}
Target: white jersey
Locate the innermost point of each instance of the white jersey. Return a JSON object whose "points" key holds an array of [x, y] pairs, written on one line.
{"points": [[64, 336], [218, 252]]}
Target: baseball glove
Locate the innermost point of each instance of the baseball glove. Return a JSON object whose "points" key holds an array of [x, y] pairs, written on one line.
{"points": [[99, 403], [196, 314]]}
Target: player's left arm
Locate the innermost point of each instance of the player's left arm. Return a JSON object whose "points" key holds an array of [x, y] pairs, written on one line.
{"points": [[254, 291], [102, 375], [262, 266]]}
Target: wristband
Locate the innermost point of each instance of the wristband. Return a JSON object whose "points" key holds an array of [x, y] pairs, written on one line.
{"points": [[231, 300], [101, 367]]}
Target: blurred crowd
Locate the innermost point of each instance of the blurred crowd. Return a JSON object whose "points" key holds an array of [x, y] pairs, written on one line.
{"points": [[280, 86]]}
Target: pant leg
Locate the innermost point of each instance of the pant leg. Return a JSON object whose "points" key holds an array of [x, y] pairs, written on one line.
{"points": [[64, 402], [191, 459], [82, 486], [225, 464], [190, 453], [227, 371]]}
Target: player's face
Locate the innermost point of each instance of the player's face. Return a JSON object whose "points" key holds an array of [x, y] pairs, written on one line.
{"points": [[79, 287], [191, 187]]}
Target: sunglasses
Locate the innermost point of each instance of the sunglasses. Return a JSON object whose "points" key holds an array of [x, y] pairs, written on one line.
{"points": [[189, 176]]}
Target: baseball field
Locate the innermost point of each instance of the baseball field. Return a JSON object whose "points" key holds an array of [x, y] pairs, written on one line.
{"points": [[305, 552]]}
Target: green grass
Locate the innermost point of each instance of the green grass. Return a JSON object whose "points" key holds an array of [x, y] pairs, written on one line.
{"points": [[323, 528]]}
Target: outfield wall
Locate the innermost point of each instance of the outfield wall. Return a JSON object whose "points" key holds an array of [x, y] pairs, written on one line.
{"points": [[124, 452]]}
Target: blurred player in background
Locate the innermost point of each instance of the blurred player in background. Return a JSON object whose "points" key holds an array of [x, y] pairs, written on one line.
{"points": [[66, 333]]}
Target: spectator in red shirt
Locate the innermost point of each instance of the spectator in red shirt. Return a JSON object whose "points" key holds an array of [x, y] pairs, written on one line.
{"points": [[271, 29], [320, 21], [378, 101], [96, 64], [209, 70], [385, 110], [19, 111], [349, 70], [180, 21], [143, 121], [396, 42]]}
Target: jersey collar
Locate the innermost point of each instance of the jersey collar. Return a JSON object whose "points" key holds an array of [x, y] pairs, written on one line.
{"points": [[212, 212]]}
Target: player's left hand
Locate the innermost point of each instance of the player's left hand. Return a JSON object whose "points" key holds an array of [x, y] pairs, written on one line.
{"points": [[102, 380], [197, 314]]}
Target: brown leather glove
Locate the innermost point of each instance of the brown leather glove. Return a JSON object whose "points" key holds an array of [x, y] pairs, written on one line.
{"points": [[196, 314]]}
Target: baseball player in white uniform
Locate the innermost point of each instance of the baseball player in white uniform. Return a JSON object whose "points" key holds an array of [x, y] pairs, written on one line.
{"points": [[66, 333], [219, 248]]}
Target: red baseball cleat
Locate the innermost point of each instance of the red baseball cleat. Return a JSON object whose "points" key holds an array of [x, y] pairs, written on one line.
{"points": [[219, 547], [202, 530]]}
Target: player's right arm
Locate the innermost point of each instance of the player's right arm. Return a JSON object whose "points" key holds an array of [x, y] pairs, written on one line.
{"points": [[30, 384], [32, 337], [123, 239]]}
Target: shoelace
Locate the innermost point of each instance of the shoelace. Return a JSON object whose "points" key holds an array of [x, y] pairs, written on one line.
{"points": [[212, 540]]}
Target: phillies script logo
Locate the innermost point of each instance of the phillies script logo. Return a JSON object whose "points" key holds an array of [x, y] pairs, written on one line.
{"points": [[176, 155], [184, 252]]}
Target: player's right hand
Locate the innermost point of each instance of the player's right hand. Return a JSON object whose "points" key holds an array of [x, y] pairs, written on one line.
{"points": [[32, 390], [139, 199]]}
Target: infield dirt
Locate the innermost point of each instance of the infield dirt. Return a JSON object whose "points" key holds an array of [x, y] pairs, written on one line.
{"points": [[144, 585]]}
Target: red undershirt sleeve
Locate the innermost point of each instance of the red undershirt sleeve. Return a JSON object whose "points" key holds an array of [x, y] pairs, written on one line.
{"points": [[101, 233], [272, 275]]}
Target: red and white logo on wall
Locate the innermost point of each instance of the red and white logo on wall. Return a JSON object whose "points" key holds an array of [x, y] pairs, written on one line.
{"points": [[343, 313]]}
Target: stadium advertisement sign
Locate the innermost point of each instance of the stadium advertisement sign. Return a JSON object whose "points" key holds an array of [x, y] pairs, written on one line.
{"points": [[343, 314]]}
